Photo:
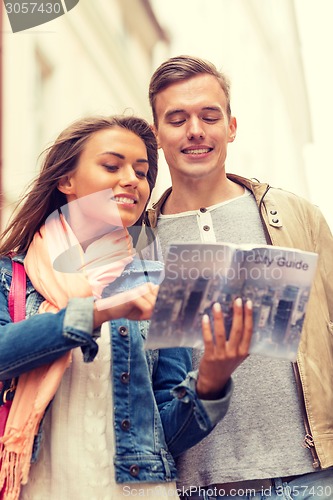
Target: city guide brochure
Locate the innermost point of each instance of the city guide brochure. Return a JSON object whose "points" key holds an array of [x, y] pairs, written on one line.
{"points": [[277, 280]]}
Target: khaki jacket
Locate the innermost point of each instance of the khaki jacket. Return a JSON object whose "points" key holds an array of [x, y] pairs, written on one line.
{"points": [[291, 221]]}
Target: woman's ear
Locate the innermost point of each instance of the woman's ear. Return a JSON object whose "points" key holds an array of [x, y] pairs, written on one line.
{"points": [[65, 185]]}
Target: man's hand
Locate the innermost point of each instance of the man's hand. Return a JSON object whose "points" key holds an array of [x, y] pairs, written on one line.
{"points": [[221, 357]]}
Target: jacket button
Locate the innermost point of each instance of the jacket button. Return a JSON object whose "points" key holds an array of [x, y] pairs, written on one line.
{"points": [[124, 377], [125, 425], [275, 221], [273, 212], [123, 331], [203, 210], [134, 470], [206, 228]]}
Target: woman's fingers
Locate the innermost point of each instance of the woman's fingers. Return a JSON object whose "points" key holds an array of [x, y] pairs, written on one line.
{"points": [[143, 305], [136, 304]]}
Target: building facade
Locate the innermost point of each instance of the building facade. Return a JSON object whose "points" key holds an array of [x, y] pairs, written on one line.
{"points": [[95, 59]]}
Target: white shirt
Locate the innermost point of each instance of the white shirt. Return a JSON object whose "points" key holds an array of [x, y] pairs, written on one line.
{"points": [[76, 458]]}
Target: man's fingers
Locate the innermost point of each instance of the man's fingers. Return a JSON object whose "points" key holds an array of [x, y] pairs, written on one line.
{"points": [[207, 334], [247, 328], [219, 329], [237, 325], [240, 333]]}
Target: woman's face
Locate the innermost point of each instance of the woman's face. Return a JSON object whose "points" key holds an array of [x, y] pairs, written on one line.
{"points": [[109, 185]]}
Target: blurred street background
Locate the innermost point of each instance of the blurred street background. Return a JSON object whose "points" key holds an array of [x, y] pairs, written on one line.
{"points": [[99, 56]]}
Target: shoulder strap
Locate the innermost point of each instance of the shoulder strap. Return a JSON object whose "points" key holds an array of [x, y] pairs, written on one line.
{"points": [[17, 292]]}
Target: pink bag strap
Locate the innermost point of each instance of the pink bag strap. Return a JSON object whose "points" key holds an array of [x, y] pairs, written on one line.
{"points": [[17, 292]]}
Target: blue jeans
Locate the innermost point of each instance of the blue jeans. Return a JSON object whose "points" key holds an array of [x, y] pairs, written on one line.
{"points": [[313, 486]]}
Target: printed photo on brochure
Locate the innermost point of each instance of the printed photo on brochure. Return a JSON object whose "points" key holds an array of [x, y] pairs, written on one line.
{"points": [[277, 280]]}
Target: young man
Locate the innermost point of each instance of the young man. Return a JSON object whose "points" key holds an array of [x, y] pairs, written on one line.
{"points": [[277, 438]]}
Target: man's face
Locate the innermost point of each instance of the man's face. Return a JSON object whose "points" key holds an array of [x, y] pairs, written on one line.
{"points": [[193, 127]]}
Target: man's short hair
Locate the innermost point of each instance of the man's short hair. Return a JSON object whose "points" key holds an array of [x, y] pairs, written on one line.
{"points": [[182, 68]]}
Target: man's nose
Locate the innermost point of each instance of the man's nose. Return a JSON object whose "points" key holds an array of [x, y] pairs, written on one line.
{"points": [[195, 129]]}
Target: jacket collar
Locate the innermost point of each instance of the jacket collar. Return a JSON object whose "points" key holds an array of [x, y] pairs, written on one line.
{"points": [[18, 257], [257, 188]]}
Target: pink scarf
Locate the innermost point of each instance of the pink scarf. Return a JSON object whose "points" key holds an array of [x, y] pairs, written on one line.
{"points": [[102, 263]]}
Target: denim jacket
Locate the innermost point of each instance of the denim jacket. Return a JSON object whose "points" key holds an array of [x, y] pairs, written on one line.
{"points": [[157, 414]]}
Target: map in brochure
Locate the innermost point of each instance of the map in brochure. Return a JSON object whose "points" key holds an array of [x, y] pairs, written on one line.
{"points": [[277, 280]]}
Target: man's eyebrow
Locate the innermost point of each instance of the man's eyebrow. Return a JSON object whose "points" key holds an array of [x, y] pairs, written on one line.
{"points": [[212, 108], [173, 112], [122, 157]]}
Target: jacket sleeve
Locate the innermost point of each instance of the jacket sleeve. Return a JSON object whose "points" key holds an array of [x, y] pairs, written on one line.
{"points": [[42, 338], [323, 240], [186, 419]]}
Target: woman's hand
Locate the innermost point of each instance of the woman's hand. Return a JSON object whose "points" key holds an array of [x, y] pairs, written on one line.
{"points": [[135, 304], [221, 357]]}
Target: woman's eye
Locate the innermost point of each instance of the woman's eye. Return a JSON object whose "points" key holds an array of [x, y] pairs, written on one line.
{"points": [[141, 174], [111, 168]]}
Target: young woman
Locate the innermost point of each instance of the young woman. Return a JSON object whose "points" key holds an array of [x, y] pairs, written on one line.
{"points": [[105, 420]]}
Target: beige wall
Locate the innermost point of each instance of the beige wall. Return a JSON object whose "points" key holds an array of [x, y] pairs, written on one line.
{"points": [[99, 57], [276, 54], [256, 43], [93, 60]]}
